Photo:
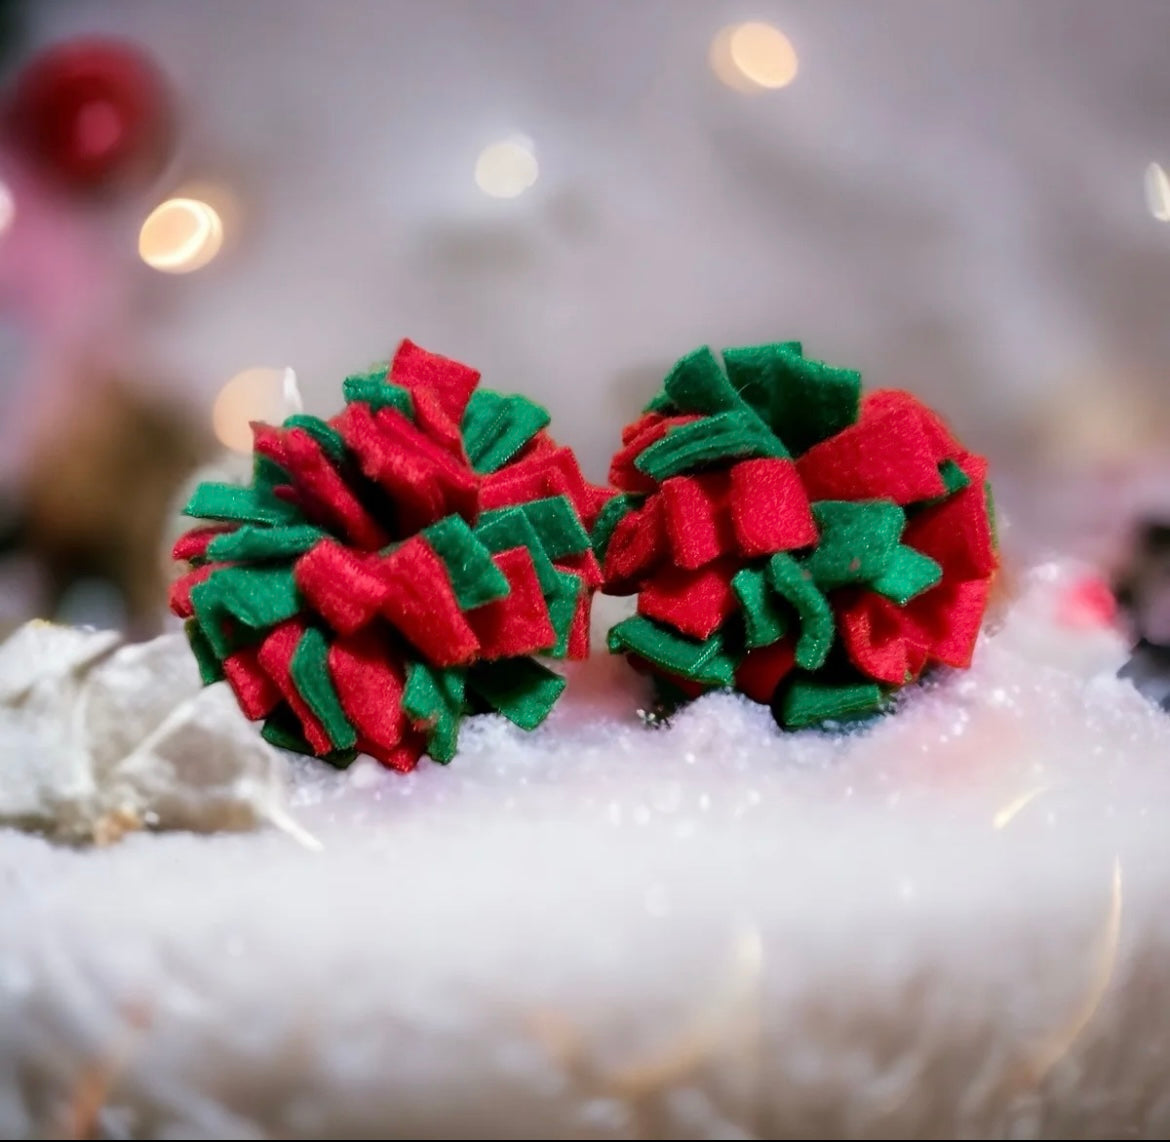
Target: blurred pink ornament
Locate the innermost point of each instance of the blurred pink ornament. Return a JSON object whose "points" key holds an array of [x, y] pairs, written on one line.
{"points": [[62, 302], [1088, 603], [92, 113]]}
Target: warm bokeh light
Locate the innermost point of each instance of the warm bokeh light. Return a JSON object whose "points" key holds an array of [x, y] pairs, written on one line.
{"points": [[180, 235], [1016, 806], [7, 207], [260, 393], [506, 169], [722, 64], [1158, 192], [751, 56]]}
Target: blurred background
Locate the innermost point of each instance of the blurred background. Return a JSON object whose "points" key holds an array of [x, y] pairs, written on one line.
{"points": [[961, 198]]}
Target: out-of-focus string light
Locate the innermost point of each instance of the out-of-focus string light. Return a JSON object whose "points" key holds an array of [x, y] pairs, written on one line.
{"points": [[1055, 1046], [260, 393], [508, 168], [753, 57], [180, 235], [719, 57], [1158, 192], [1006, 815], [7, 208]]}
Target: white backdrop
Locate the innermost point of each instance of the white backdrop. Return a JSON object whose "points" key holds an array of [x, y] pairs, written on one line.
{"points": [[949, 197]]}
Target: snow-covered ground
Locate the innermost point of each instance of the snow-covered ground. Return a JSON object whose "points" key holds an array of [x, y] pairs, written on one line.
{"points": [[951, 923]]}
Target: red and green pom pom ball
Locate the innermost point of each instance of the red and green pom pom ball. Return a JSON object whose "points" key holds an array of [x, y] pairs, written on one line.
{"points": [[393, 569], [789, 538]]}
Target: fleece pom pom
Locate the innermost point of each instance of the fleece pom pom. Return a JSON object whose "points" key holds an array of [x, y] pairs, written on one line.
{"points": [[792, 539], [394, 569]]}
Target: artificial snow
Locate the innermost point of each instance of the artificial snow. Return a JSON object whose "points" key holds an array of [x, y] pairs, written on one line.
{"points": [[102, 738], [950, 923]]}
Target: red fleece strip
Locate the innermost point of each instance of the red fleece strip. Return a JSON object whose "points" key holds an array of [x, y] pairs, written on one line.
{"points": [[769, 508], [578, 646], [882, 641], [254, 690], [885, 455], [585, 564], [598, 498], [421, 371], [325, 496], [685, 686], [194, 544], [268, 440], [420, 602], [369, 680], [636, 438], [552, 473], [952, 614], [637, 545], [346, 588], [943, 446], [431, 417], [519, 623], [697, 513], [762, 670], [424, 480], [275, 657], [179, 595], [957, 533], [290, 495], [693, 602], [403, 757]]}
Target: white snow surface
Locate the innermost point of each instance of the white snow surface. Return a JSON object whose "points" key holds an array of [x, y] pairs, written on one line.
{"points": [[952, 923]]}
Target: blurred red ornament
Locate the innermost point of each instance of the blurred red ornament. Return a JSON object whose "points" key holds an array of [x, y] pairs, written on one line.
{"points": [[1088, 603], [92, 113]]}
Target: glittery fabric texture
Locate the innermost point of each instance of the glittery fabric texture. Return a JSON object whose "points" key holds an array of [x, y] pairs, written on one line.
{"points": [[790, 538], [391, 570]]}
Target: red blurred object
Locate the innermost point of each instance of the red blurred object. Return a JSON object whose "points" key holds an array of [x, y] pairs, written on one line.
{"points": [[92, 113], [1088, 603]]}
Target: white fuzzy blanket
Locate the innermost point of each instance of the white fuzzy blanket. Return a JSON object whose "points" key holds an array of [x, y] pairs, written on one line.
{"points": [[953, 924]]}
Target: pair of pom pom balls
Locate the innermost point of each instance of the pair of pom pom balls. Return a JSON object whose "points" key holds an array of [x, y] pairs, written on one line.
{"points": [[412, 560]]}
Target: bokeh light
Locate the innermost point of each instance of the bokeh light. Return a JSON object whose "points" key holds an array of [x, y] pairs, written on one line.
{"points": [[260, 393], [753, 56], [180, 235], [1158, 192], [7, 207], [723, 65], [507, 169]]}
